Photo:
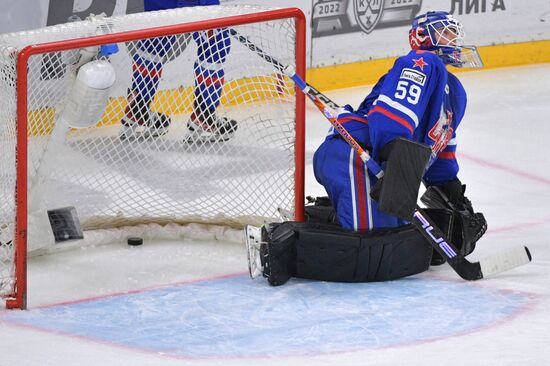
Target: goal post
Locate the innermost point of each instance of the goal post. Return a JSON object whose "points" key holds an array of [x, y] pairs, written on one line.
{"points": [[241, 178]]}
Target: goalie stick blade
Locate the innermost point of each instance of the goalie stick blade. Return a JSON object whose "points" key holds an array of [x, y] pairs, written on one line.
{"points": [[253, 240], [467, 270], [505, 261]]}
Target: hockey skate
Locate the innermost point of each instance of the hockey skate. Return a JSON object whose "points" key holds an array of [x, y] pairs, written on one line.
{"points": [[255, 247], [140, 123], [210, 129]]}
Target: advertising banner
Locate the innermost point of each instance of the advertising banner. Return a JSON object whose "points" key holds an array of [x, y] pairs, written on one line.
{"points": [[32, 14], [341, 31], [345, 31]]}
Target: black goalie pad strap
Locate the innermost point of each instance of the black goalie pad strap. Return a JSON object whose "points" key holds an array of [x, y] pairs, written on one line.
{"points": [[280, 252], [327, 256], [321, 214], [402, 176]]}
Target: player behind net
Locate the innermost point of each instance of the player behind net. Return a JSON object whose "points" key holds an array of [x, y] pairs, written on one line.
{"points": [[148, 62], [346, 237]]}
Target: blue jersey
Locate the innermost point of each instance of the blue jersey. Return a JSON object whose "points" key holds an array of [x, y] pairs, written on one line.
{"points": [[417, 99], [151, 5]]}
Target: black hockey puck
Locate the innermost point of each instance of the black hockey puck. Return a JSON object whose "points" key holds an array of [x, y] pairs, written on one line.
{"points": [[134, 240]]}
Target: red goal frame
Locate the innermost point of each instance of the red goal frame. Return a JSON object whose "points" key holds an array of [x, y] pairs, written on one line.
{"points": [[19, 297]]}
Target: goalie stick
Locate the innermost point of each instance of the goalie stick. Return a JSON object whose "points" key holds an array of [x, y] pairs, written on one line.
{"points": [[319, 99], [279, 66], [467, 270]]}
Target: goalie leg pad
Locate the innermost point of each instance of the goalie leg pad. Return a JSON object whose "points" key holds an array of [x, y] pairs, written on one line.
{"points": [[327, 255], [378, 255], [330, 253]]}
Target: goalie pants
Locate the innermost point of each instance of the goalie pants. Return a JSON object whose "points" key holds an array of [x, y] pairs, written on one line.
{"points": [[348, 184]]}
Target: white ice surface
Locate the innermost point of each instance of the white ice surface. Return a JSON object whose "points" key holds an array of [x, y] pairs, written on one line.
{"points": [[504, 161]]}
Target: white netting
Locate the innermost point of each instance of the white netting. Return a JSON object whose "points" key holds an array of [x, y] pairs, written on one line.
{"points": [[169, 179]]}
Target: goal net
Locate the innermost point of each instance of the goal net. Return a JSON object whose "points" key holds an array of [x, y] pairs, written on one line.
{"points": [[193, 127]]}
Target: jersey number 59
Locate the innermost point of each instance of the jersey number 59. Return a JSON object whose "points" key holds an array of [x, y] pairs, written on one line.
{"points": [[409, 91]]}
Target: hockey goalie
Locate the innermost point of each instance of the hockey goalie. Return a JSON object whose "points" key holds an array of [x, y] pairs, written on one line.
{"points": [[367, 228]]}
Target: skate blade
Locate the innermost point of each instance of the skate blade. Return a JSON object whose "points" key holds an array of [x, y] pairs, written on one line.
{"points": [[200, 138], [140, 137]]}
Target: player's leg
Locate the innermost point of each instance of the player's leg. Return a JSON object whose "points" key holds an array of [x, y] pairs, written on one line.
{"points": [[147, 68], [332, 169], [204, 123], [348, 184]]}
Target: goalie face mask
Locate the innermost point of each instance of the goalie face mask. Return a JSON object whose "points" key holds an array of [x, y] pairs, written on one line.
{"points": [[440, 32]]}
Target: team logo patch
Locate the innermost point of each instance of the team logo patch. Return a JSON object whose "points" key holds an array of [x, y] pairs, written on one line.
{"points": [[414, 76], [442, 132], [420, 63], [368, 13]]}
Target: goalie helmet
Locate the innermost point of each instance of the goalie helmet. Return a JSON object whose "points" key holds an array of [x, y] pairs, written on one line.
{"points": [[440, 32]]}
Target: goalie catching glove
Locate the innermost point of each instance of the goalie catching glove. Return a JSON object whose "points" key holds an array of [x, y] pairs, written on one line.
{"points": [[466, 227]]}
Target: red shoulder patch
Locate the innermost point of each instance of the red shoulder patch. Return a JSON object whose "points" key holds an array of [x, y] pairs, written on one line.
{"points": [[420, 63]]}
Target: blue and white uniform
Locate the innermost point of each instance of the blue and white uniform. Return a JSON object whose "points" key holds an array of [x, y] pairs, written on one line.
{"points": [[417, 99], [213, 47]]}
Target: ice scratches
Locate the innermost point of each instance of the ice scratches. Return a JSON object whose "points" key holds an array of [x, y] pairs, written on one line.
{"points": [[237, 317]]}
